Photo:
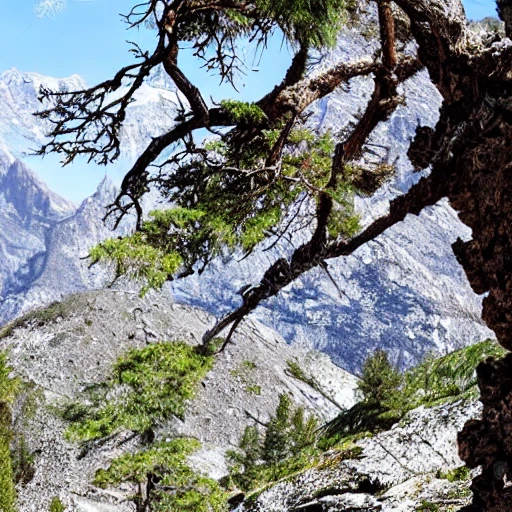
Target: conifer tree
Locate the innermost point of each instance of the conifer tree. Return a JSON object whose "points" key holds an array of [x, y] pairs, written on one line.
{"points": [[379, 379], [265, 169]]}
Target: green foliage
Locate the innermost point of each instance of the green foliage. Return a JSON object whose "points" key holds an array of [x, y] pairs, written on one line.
{"points": [[286, 447], [428, 506], [315, 23], [298, 373], [278, 441], [254, 389], [434, 381], [243, 112], [8, 389], [438, 380], [380, 380], [23, 467], [178, 486], [226, 199], [148, 386], [56, 505], [244, 373], [245, 462], [135, 257], [459, 474]]}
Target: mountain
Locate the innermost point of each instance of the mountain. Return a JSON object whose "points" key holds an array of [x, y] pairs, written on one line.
{"points": [[65, 350], [22, 133], [45, 237], [85, 354], [404, 292], [29, 213]]}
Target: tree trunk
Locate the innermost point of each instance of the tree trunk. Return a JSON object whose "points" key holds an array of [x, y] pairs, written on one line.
{"points": [[472, 148], [505, 13], [485, 204]]}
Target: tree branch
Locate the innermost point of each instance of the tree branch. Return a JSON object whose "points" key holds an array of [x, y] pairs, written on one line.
{"points": [[383, 102], [426, 192]]}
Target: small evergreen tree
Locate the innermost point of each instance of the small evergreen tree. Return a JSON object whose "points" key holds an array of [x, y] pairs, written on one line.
{"points": [[265, 458], [380, 381], [277, 442], [244, 462], [303, 431]]}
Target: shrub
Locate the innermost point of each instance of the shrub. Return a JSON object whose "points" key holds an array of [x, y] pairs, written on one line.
{"points": [[166, 482], [460, 474], [22, 461], [148, 386], [277, 443], [244, 461], [434, 381], [56, 505]]}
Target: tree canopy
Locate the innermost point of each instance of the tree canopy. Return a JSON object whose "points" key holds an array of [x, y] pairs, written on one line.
{"points": [[264, 174]]}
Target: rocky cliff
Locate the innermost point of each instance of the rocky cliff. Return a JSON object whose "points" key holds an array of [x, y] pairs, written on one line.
{"points": [[410, 468]]}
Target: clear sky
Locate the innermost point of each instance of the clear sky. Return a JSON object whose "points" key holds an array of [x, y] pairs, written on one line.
{"points": [[87, 37]]}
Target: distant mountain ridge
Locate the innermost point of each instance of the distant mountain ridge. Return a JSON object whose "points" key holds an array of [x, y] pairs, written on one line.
{"points": [[404, 292]]}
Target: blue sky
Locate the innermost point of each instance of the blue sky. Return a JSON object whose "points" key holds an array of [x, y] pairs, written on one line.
{"points": [[87, 37]]}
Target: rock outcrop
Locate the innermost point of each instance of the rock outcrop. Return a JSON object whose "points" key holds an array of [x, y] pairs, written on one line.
{"points": [[405, 469]]}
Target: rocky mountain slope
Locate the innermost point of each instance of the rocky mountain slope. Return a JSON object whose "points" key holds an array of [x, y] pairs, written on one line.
{"points": [[29, 213], [405, 469], [45, 237], [62, 351], [404, 292], [65, 353]]}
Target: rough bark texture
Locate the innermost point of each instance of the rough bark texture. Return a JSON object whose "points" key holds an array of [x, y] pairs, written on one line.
{"points": [[505, 13], [472, 148], [486, 206], [486, 442]]}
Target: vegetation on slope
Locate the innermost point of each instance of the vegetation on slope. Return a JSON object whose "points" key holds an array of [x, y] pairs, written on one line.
{"points": [[147, 386], [287, 445], [41, 316], [170, 484], [389, 395], [8, 388]]}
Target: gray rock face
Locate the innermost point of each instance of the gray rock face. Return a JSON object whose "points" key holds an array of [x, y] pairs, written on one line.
{"points": [[61, 355], [43, 237], [397, 470], [62, 269], [29, 213]]}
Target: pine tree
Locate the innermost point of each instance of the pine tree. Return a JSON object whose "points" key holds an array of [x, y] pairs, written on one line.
{"points": [[380, 380], [265, 168]]}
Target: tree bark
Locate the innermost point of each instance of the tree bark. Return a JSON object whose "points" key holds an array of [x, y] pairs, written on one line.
{"points": [[474, 139]]}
